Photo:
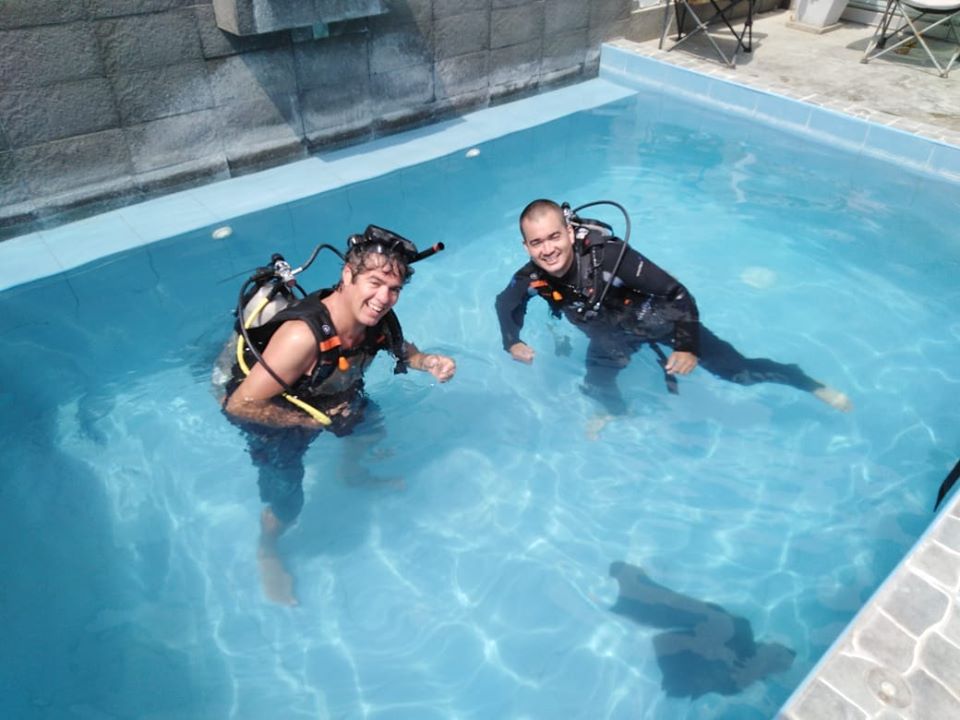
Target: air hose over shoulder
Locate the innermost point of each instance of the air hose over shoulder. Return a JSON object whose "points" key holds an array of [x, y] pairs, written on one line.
{"points": [[274, 285], [571, 216]]}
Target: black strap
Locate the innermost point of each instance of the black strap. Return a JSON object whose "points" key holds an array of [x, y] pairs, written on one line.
{"points": [[948, 482], [671, 380]]}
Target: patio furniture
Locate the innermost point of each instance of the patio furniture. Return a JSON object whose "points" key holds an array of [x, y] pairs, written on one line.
{"points": [[913, 30], [711, 12]]}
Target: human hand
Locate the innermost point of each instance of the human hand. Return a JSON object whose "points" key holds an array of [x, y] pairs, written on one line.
{"points": [[680, 363], [521, 352], [440, 366]]}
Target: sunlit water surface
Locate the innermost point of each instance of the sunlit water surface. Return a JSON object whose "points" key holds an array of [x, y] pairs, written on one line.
{"points": [[462, 569]]}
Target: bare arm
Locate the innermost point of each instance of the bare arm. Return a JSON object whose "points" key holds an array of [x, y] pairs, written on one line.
{"points": [[291, 352], [441, 367]]}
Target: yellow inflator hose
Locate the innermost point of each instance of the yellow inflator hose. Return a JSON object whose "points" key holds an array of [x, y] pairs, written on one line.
{"points": [[309, 409]]}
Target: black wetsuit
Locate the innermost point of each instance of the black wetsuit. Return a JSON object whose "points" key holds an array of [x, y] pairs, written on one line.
{"points": [[645, 306], [277, 452]]}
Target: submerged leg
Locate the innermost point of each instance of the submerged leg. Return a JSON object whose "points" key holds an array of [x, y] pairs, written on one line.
{"points": [[720, 358], [278, 455], [275, 579], [359, 447], [606, 357]]}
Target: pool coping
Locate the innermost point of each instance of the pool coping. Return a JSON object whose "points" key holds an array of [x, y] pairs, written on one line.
{"points": [[900, 650]]}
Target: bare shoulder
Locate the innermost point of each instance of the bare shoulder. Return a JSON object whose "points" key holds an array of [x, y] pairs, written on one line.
{"points": [[294, 334]]}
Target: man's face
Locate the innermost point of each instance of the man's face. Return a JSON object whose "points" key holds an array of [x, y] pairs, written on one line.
{"points": [[372, 292], [549, 242]]}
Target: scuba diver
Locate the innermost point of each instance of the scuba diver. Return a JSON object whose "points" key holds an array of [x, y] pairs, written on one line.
{"points": [[623, 302], [295, 367]]}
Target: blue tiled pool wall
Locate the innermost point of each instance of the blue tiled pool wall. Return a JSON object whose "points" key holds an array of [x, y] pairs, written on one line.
{"points": [[852, 134]]}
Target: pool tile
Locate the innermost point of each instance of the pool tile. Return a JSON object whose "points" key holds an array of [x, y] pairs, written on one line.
{"points": [[736, 96], [783, 111], [945, 160], [898, 145], [843, 128], [166, 216], [24, 259], [87, 240]]}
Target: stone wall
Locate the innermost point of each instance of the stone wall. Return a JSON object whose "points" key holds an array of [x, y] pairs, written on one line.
{"points": [[107, 102]]}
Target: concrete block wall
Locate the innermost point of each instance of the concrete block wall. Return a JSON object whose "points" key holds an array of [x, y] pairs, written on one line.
{"points": [[106, 102]]}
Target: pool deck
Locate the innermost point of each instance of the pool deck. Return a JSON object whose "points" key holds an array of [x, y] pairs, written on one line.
{"points": [[899, 659]]}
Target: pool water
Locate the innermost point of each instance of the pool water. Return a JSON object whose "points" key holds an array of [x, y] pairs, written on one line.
{"points": [[461, 567]]}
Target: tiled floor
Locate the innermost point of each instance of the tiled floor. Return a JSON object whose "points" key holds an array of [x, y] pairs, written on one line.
{"points": [[902, 91]]}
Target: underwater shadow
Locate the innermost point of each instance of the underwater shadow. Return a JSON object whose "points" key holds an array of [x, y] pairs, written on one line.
{"points": [[705, 649]]}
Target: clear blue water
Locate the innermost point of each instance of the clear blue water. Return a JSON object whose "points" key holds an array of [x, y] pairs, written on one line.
{"points": [[466, 576]]}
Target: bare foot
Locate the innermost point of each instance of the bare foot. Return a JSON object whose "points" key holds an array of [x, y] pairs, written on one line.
{"points": [[276, 581], [834, 398], [596, 424]]}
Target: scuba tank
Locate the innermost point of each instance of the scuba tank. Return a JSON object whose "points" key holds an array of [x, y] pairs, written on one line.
{"points": [[271, 291]]}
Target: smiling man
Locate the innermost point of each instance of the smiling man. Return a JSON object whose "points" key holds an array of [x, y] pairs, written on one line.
{"points": [[623, 302], [309, 376]]}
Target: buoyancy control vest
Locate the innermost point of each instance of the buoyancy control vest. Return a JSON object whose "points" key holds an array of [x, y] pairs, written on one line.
{"points": [[592, 289], [589, 240], [332, 357]]}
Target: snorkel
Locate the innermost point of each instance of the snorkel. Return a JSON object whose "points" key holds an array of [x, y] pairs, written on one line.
{"points": [[271, 288]]}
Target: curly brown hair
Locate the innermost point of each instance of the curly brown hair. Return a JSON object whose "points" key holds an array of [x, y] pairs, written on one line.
{"points": [[360, 259]]}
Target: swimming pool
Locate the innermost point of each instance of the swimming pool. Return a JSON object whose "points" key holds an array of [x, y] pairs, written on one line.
{"points": [[467, 574]]}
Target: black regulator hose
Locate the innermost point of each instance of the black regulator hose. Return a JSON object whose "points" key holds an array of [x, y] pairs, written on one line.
{"points": [[623, 249], [252, 280]]}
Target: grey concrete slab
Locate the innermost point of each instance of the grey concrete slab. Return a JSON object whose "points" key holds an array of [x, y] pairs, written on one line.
{"points": [[409, 87], [41, 114], [342, 60], [561, 15], [399, 47], [162, 92], [99, 163], [335, 109], [564, 50], [253, 76], [24, 13], [461, 75], [76, 55], [516, 25], [13, 189], [446, 8], [514, 68], [120, 8], [219, 43], [462, 34], [139, 42], [401, 12], [172, 141]]}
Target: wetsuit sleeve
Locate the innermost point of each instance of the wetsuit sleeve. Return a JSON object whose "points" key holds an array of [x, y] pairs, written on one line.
{"points": [[512, 307], [647, 278]]}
